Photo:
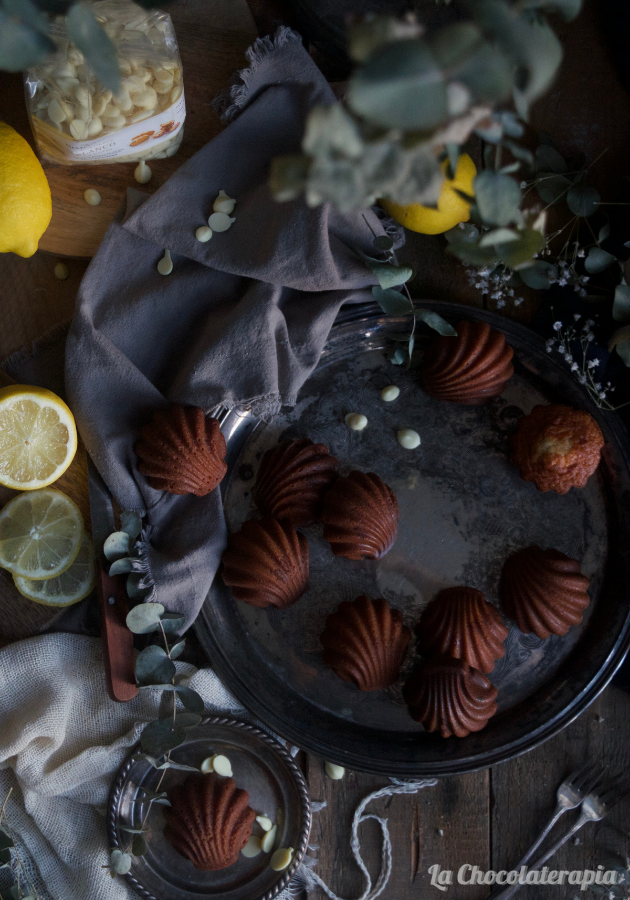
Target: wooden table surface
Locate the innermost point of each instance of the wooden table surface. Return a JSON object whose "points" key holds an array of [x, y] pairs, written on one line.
{"points": [[486, 818]]}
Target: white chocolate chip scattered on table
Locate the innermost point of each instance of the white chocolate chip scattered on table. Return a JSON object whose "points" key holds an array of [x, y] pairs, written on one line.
{"points": [[389, 393], [61, 271], [334, 771], [269, 839], [408, 438], [142, 173], [203, 233], [281, 859], [165, 265], [356, 421], [224, 203], [91, 197], [252, 847], [219, 221]]}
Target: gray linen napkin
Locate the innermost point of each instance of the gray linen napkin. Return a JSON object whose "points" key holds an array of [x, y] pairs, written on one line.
{"points": [[240, 322]]}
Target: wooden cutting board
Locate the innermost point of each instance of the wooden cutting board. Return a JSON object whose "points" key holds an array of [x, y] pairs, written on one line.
{"points": [[212, 36]]}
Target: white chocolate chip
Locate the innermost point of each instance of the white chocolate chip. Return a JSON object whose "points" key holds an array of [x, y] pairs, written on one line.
{"points": [[408, 438], [264, 822], [252, 847], [222, 765], [356, 421], [61, 271], [389, 393], [219, 221], [281, 859], [91, 197], [146, 100], [333, 771], [99, 104], [83, 95], [116, 122], [140, 115], [207, 765], [55, 111], [95, 127], [142, 173], [125, 103], [203, 234], [269, 839], [224, 203], [160, 87], [176, 93], [165, 267]]}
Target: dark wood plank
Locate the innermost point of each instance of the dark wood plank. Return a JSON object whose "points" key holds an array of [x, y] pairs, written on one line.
{"points": [[446, 824], [524, 793]]}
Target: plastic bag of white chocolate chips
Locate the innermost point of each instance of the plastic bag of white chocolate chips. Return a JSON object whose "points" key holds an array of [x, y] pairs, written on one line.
{"points": [[76, 120]]}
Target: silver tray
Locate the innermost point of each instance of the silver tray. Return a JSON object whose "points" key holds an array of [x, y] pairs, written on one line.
{"points": [[261, 766], [464, 509]]}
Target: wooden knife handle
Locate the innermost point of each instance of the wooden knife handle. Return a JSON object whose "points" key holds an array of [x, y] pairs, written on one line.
{"points": [[117, 639]]}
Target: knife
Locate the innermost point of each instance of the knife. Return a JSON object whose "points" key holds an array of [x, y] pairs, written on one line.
{"points": [[112, 596]]}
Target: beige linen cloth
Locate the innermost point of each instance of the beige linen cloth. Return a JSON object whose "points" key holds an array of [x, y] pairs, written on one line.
{"points": [[62, 741]]}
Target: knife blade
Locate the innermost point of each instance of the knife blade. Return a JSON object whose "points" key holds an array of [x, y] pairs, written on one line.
{"points": [[112, 596]]}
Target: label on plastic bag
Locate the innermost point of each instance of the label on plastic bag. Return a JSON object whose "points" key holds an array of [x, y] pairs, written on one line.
{"points": [[148, 134]]}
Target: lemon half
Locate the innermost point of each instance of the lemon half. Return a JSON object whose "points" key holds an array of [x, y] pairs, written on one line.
{"points": [[38, 437], [40, 534], [451, 208], [71, 586]]}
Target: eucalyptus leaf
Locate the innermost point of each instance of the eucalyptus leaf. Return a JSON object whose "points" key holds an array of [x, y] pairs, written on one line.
{"points": [[511, 124], [177, 649], [122, 566], [159, 737], [172, 622], [400, 86], [509, 168], [452, 151], [521, 153], [117, 545], [621, 304], [120, 862], [623, 349], [538, 276], [604, 232], [467, 59], [87, 35], [567, 8], [27, 12], [551, 187], [288, 176], [145, 617], [130, 523], [186, 719], [397, 357], [597, 260], [21, 46], [549, 160], [154, 667], [391, 302], [139, 845], [191, 699], [463, 233], [383, 242], [583, 200], [519, 254], [498, 236], [473, 253], [373, 32], [389, 276], [435, 321], [329, 130], [491, 131], [498, 197]]}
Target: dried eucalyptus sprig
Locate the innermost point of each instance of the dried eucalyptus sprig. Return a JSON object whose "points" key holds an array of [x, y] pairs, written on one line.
{"points": [[23, 889], [411, 95]]}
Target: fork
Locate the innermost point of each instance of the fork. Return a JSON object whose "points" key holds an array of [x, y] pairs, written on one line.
{"points": [[595, 806], [570, 794]]}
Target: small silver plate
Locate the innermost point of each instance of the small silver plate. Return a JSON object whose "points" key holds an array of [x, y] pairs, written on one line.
{"points": [[261, 766]]}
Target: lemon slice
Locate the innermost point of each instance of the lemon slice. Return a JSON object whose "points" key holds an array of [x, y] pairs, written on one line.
{"points": [[71, 586], [38, 437], [40, 534]]}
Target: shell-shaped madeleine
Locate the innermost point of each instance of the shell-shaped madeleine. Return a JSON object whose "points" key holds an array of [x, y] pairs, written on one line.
{"points": [[209, 820], [449, 696], [360, 516], [470, 368], [461, 623], [543, 591], [365, 642], [266, 563], [292, 480], [182, 451]]}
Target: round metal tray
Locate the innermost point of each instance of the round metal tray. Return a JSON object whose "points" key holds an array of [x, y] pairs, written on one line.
{"points": [[261, 766], [464, 509]]}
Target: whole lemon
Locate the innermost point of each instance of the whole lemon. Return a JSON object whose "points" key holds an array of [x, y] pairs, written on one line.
{"points": [[25, 201], [451, 208]]}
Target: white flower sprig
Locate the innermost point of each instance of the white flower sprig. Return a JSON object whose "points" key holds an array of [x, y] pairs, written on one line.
{"points": [[583, 368]]}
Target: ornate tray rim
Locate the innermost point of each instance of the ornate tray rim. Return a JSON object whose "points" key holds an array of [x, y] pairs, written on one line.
{"points": [[119, 782], [231, 420]]}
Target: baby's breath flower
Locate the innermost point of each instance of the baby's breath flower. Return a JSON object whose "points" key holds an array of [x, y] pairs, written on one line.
{"points": [[557, 326], [500, 304], [581, 254], [576, 317], [518, 301], [574, 367]]}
